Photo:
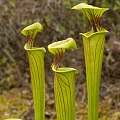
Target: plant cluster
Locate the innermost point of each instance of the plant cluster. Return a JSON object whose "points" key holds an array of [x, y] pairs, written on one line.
{"points": [[64, 78]]}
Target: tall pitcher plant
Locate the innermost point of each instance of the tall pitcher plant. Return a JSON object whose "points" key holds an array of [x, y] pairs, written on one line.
{"points": [[93, 49], [64, 81], [36, 62]]}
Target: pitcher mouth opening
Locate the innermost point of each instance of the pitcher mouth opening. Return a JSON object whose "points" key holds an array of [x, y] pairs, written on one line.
{"points": [[35, 49], [90, 33], [65, 69]]}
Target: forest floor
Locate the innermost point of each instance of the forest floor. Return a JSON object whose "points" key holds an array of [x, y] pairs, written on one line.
{"points": [[18, 103]]}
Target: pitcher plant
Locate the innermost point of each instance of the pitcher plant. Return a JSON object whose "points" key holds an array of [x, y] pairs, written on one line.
{"points": [[36, 62], [93, 50], [64, 81]]}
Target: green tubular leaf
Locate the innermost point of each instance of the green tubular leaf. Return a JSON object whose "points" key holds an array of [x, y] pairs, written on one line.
{"points": [[58, 48], [64, 81], [31, 31], [36, 62], [64, 87], [38, 81], [93, 14], [93, 50]]}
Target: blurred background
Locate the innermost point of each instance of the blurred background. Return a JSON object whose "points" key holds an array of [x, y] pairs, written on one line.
{"points": [[60, 22]]}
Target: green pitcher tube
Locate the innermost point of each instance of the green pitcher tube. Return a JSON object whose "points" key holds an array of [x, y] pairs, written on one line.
{"points": [[36, 63], [93, 50], [64, 87], [64, 80]]}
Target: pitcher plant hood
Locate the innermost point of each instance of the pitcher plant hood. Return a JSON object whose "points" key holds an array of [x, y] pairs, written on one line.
{"points": [[31, 31], [58, 49], [93, 14]]}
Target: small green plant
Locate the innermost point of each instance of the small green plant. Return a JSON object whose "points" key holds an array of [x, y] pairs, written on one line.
{"points": [[93, 49], [36, 62], [64, 81]]}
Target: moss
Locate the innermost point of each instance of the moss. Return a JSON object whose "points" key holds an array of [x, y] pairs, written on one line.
{"points": [[14, 104]]}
